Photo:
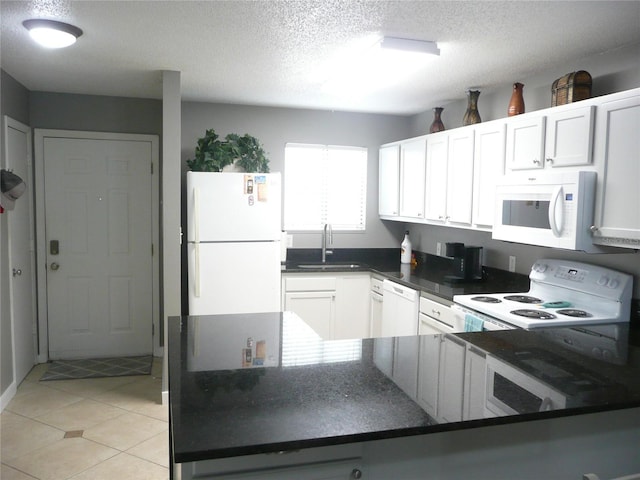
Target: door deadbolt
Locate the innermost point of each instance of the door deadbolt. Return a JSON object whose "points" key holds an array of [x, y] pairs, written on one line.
{"points": [[55, 266], [54, 247]]}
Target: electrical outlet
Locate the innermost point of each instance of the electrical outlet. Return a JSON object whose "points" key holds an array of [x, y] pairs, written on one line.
{"points": [[439, 248], [512, 263], [289, 240]]}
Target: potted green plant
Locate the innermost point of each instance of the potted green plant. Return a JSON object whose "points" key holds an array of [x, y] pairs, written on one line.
{"points": [[213, 154]]}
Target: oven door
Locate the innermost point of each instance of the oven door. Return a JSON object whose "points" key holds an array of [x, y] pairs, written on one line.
{"points": [[510, 391]]}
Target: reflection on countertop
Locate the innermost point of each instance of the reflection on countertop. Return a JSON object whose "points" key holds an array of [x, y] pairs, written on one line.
{"points": [[300, 391]]}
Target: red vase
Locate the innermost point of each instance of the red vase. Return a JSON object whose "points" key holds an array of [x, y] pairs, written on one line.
{"points": [[516, 104]]}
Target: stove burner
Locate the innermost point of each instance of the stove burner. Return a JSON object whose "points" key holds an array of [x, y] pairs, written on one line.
{"points": [[523, 299], [574, 312], [485, 299], [536, 314]]}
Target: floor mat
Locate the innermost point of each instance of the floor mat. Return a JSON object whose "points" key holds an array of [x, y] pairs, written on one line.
{"points": [[98, 367]]}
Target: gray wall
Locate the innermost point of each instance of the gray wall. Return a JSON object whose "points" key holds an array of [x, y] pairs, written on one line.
{"points": [[613, 72], [14, 102], [275, 127]]}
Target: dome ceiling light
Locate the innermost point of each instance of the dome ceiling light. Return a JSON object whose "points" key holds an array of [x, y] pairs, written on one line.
{"points": [[51, 33]]}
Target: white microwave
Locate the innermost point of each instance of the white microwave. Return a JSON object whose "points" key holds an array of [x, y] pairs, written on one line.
{"points": [[546, 209]]}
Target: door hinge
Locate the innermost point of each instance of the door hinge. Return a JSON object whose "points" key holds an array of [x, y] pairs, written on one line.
{"points": [[152, 249], [151, 168]]}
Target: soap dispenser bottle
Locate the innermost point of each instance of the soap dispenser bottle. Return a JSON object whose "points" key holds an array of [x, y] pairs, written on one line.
{"points": [[405, 249]]}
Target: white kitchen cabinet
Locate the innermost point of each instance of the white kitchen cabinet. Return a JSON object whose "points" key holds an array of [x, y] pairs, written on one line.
{"points": [[352, 306], [412, 178], [451, 379], [617, 147], [525, 142], [316, 308], [488, 168], [560, 137], [474, 383], [389, 180], [335, 306], [340, 462], [460, 176], [436, 177], [428, 371], [405, 364], [449, 177]]}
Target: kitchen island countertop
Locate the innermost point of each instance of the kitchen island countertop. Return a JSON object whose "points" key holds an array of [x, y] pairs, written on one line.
{"points": [[262, 383]]}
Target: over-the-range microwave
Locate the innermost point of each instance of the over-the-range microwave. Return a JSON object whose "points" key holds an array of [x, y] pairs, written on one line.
{"points": [[549, 209]]}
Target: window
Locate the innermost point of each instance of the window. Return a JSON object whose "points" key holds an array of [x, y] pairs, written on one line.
{"points": [[324, 184]]}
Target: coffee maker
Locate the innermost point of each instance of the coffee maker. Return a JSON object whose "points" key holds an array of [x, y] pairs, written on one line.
{"points": [[467, 263]]}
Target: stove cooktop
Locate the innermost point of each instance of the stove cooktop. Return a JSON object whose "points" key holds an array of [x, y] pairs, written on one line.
{"points": [[561, 294]]}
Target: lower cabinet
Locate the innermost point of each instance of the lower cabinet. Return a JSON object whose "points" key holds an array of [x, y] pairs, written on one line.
{"points": [[335, 306], [451, 378], [324, 463]]}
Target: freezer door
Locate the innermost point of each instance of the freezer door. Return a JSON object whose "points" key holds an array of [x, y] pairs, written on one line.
{"points": [[234, 278], [232, 207]]}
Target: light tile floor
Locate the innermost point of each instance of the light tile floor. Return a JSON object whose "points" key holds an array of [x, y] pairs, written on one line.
{"points": [[94, 429]]}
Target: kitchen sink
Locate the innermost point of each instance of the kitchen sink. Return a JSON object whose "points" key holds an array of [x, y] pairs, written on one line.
{"points": [[329, 266]]}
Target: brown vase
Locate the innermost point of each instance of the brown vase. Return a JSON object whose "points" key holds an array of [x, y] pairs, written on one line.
{"points": [[516, 104], [472, 115], [437, 125]]}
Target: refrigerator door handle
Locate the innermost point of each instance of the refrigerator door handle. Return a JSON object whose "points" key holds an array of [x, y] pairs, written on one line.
{"points": [[196, 215]]}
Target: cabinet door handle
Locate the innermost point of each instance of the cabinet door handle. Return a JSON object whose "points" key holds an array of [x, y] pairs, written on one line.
{"points": [[435, 312], [550, 160], [536, 161]]}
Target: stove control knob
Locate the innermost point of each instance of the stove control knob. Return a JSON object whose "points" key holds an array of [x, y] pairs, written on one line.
{"points": [[603, 280], [606, 355], [540, 267], [613, 283], [596, 352]]}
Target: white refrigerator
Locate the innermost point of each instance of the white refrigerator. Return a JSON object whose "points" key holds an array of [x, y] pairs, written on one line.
{"points": [[233, 242]]}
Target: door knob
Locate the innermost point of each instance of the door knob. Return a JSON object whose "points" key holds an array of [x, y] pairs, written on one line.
{"points": [[55, 266], [17, 272]]}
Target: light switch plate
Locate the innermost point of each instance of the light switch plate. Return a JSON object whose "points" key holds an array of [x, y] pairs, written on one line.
{"points": [[512, 263]]}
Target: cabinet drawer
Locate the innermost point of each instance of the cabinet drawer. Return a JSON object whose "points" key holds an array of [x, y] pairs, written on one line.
{"points": [[438, 311], [310, 284]]}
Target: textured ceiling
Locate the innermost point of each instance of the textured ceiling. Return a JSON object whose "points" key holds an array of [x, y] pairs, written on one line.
{"points": [[272, 52]]}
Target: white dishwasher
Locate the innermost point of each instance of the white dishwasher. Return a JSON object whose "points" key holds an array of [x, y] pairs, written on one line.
{"points": [[399, 310]]}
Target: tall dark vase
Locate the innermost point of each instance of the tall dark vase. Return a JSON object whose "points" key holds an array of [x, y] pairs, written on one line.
{"points": [[472, 115], [437, 125], [516, 104]]}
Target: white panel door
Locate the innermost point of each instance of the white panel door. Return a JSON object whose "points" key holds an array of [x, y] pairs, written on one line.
{"points": [[98, 247], [21, 250]]}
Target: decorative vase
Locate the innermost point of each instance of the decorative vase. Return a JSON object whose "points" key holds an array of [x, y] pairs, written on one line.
{"points": [[472, 115], [437, 125], [516, 104]]}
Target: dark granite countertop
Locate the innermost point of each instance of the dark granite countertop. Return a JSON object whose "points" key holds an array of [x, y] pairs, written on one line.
{"points": [[298, 391], [430, 275]]}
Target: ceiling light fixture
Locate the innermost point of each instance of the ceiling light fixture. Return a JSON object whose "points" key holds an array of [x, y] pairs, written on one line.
{"points": [[410, 45], [51, 33]]}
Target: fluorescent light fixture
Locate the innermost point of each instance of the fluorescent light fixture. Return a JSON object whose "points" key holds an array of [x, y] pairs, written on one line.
{"points": [[409, 45], [51, 33]]}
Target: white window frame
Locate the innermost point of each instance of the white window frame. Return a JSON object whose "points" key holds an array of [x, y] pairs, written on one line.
{"points": [[318, 187]]}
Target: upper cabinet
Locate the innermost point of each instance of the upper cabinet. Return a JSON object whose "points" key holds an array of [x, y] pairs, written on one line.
{"points": [[617, 150], [488, 165], [561, 138], [388, 180], [412, 179], [449, 182]]}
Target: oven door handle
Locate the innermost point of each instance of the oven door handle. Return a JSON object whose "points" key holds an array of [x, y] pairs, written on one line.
{"points": [[555, 212]]}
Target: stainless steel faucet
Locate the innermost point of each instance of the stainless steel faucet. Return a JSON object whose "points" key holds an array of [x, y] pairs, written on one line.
{"points": [[327, 237]]}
